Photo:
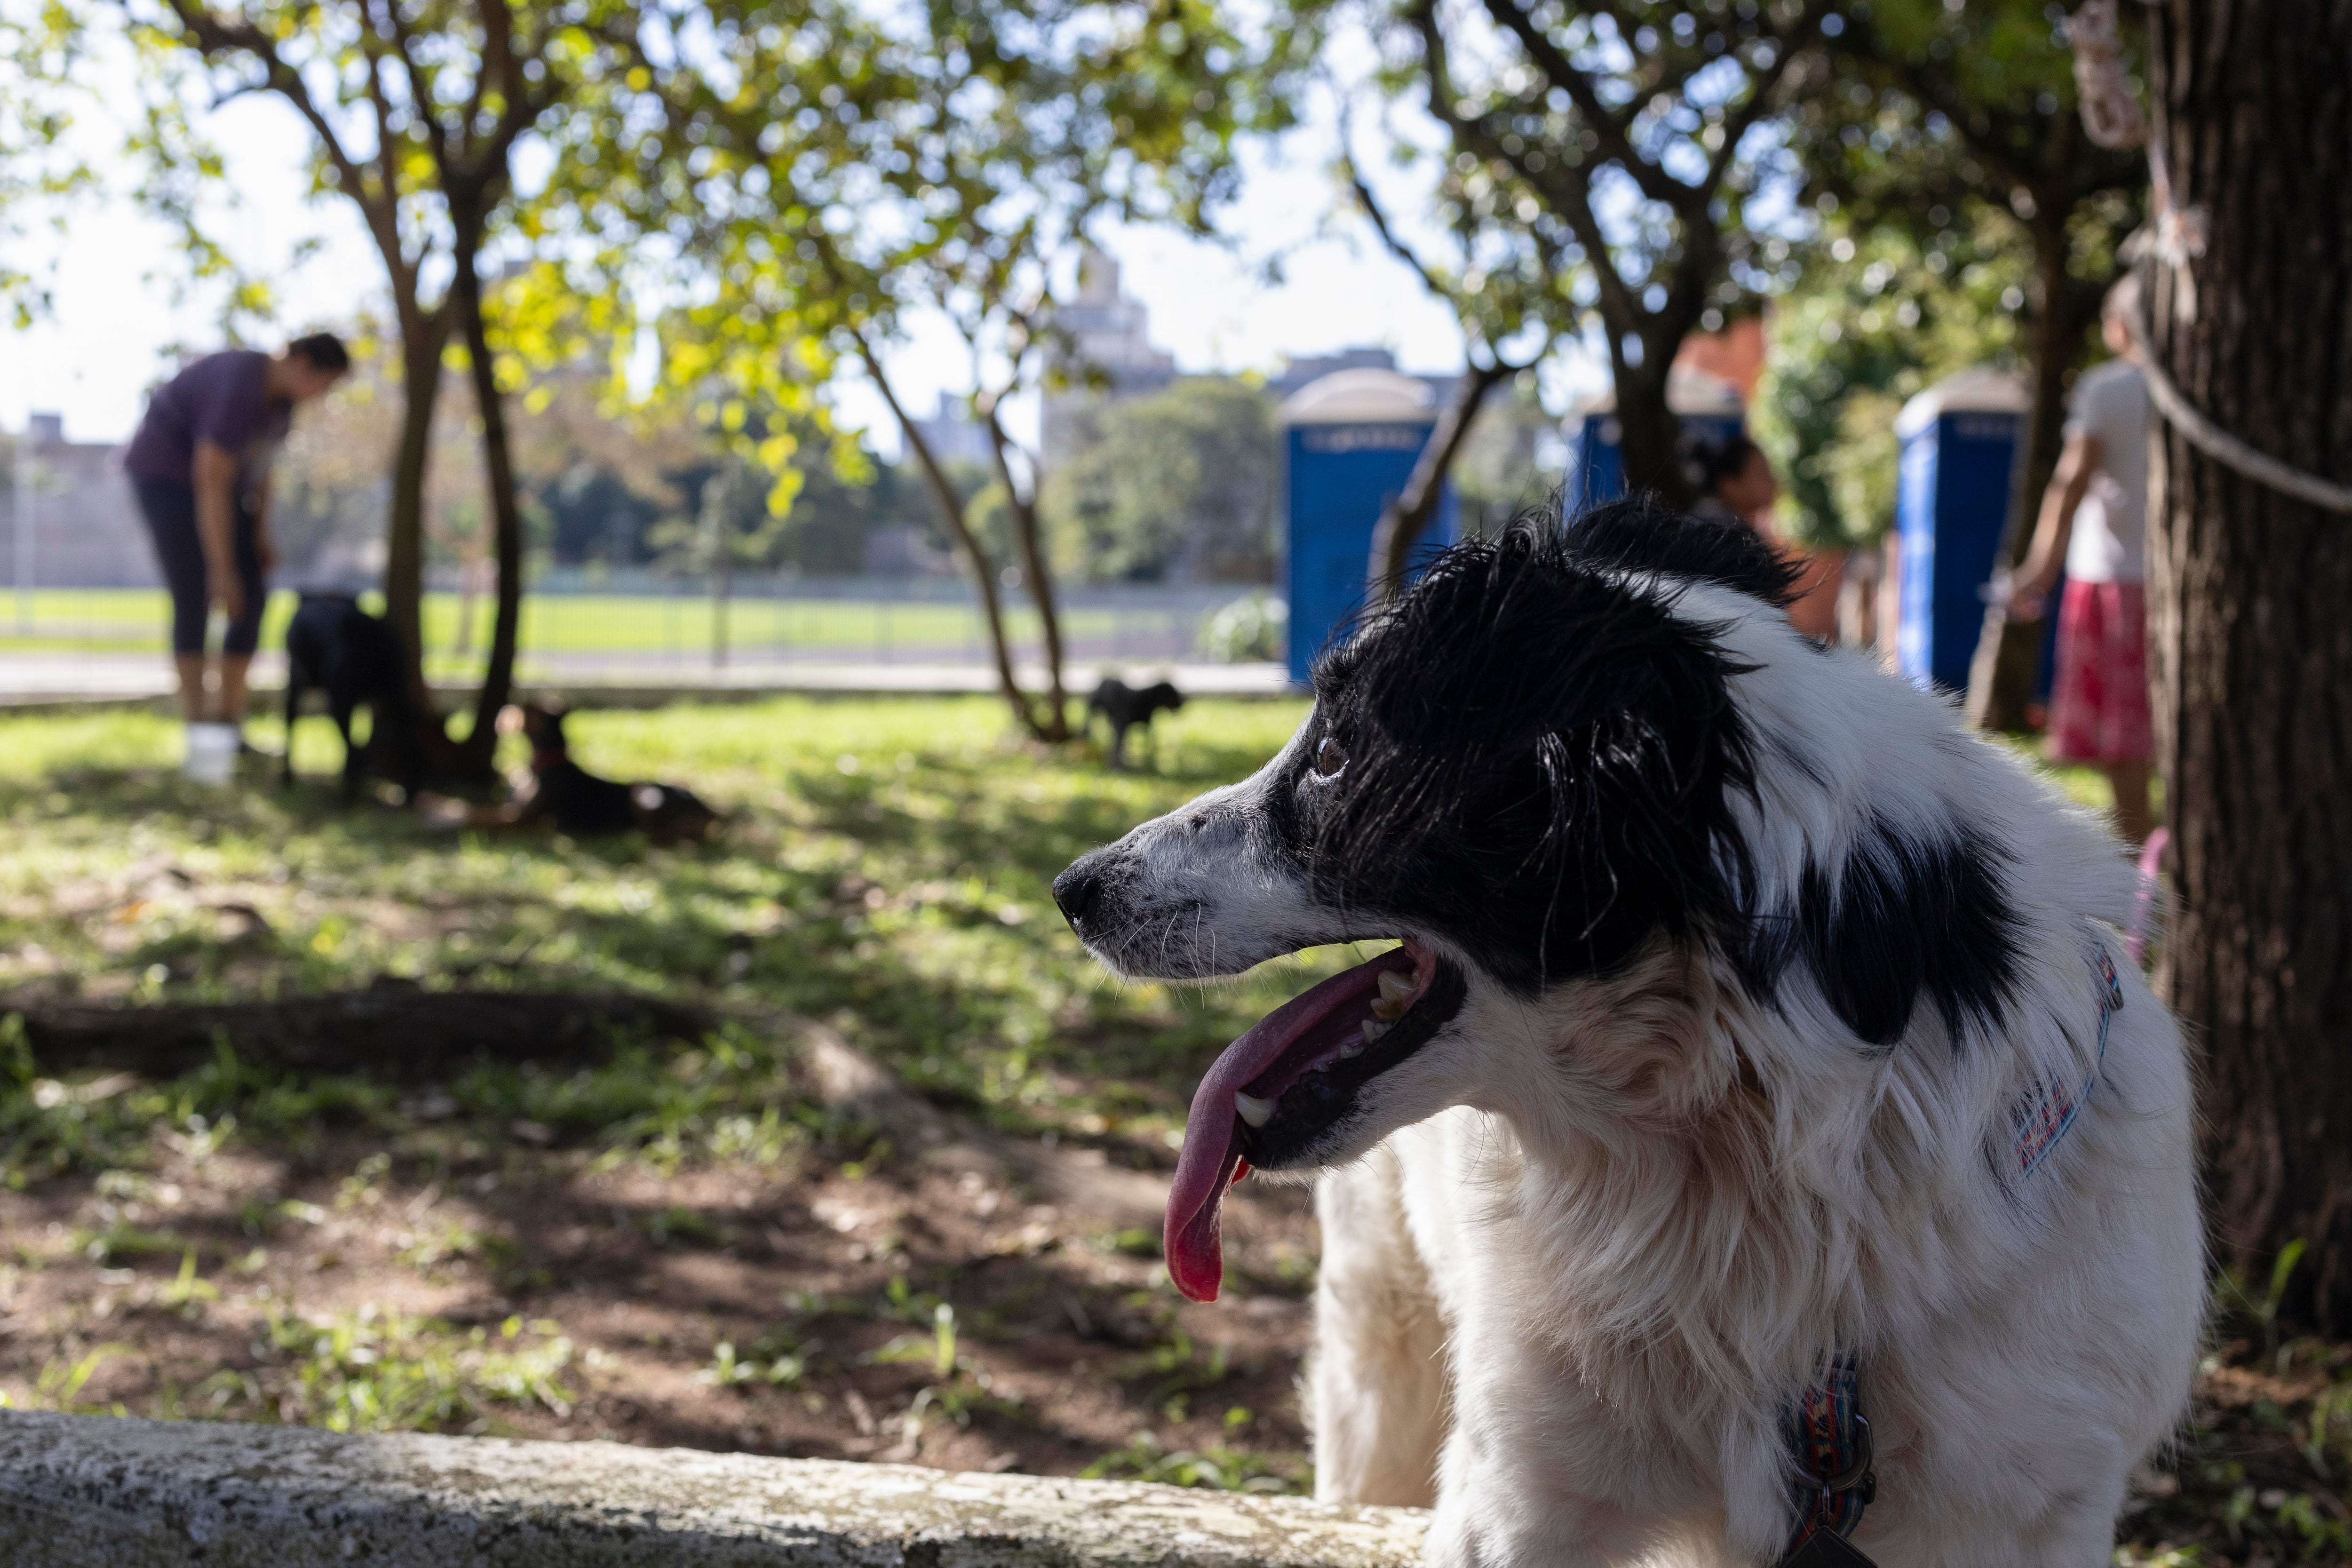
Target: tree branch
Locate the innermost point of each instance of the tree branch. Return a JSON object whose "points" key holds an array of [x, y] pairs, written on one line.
{"points": [[1611, 128], [214, 37], [1569, 191], [951, 512], [1740, 120], [1407, 515], [1389, 236]]}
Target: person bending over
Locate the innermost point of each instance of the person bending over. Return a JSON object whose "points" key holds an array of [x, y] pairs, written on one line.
{"points": [[200, 468]]}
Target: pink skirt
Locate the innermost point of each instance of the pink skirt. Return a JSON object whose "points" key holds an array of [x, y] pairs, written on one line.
{"points": [[2098, 703]]}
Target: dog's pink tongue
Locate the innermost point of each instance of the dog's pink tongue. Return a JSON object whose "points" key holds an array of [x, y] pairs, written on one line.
{"points": [[1204, 1170]]}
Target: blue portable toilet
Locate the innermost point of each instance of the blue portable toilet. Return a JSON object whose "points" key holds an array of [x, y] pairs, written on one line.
{"points": [[1958, 442], [1350, 439], [1596, 463]]}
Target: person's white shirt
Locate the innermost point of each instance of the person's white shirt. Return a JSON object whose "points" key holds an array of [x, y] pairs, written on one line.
{"points": [[2110, 539]]}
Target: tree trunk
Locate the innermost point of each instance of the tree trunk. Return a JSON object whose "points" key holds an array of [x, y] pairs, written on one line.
{"points": [[2252, 647], [2008, 660], [421, 334], [1406, 517], [1649, 435], [1040, 578], [477, 755], [951, 512]]}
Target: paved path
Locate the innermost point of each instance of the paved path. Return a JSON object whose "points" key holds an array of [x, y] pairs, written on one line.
{"points": [[48, 679]]}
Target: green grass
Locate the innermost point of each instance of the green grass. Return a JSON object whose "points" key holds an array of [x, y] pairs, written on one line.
{"points": [[372, 1370], [134, 620], [885, 867]]}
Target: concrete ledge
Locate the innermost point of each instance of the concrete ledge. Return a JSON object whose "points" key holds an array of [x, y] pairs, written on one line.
{"points": [[93, 1492]]}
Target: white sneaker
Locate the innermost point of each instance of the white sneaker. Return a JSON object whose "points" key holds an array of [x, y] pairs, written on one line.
{"points": [[212, 754]]}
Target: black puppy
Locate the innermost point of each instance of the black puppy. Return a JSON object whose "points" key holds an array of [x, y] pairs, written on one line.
{"points": [[1123, 707], [334, 645], [569, 798]]}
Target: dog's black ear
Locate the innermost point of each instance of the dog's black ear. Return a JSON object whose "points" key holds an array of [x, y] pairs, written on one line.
{"points": [[1545, 752], [1640, 533], [1906, 916]]}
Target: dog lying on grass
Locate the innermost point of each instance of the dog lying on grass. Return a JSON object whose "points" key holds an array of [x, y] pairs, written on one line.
{"points": [[334, 645], [564, 795], [1757, 1117], [556, 792]]}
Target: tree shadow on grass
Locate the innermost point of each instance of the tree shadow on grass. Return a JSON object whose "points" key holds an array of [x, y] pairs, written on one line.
{"points": [[385, 1140]]}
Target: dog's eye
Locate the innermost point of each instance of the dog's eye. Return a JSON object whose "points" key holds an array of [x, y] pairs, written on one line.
{"points": [[1329, 758]]}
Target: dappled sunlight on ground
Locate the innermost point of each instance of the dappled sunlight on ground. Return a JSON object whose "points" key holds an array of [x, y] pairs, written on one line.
{"points": [[672, 1235]]}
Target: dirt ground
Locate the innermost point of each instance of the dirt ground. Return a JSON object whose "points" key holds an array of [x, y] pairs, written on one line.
{"points": [[913, 1288], [827, 1281]]}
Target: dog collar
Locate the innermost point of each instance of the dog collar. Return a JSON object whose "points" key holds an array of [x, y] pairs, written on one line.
{"points": [[1832, 1447]]}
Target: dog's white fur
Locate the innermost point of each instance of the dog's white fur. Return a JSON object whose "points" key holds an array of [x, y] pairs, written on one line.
{"points": [[1593, 1245]]}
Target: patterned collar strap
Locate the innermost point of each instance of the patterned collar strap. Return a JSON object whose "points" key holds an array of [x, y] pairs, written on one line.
{"points": [[2043, 1122], [1832, 1451]]}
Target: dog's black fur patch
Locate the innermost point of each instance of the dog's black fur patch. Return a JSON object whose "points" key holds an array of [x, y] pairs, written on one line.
{"points": [[1540, 750], [1640, 534], [1907, 917]]}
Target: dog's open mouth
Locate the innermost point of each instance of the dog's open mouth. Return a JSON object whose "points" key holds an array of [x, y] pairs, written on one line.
{"points": [[1272, 1093]]}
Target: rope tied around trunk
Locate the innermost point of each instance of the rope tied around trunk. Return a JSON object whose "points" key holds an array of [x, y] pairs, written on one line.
{"points": [[2113, 117]]}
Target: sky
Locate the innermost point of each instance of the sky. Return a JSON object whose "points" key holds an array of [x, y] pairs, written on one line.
{"points": [[121, 307]]}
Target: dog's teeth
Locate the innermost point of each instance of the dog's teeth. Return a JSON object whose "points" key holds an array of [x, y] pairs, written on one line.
{"points": [[1395, 989], [1388, 1011], [1373, 1030], [1251, 1109], [1352, 1050]]}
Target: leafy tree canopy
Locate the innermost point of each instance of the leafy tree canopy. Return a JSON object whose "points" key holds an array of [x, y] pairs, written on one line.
{"points": [[1180, 485]]}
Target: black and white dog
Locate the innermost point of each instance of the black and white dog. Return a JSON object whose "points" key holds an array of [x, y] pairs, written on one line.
{"points": [[1759, 1103]]}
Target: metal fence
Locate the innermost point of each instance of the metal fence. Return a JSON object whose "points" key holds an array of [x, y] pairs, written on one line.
{"points": [[573, 619]]}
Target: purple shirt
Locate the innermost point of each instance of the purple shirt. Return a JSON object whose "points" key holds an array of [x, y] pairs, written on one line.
{"points": [[222, 398]]}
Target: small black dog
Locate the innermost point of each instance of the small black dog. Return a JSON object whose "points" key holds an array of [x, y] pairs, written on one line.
{"points": [[569, 798], [1123, 707], [334, 645]]}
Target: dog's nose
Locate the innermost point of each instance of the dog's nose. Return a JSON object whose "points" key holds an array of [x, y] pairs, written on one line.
{"points": [[1076, 890]]}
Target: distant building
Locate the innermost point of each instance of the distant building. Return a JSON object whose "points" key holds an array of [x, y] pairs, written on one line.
{"points": [[71, 504], [954, 436], [1107, 357], [86, 532]]}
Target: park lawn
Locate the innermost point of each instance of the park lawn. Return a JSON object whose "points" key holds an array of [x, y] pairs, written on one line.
{"points": [[890, 859], [126, 620], [672, 1241], [675, 1240]]}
